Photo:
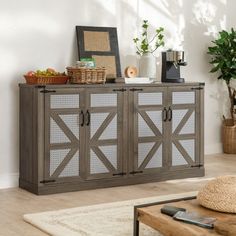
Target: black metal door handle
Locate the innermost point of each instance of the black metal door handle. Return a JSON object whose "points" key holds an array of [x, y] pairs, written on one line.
{"points": [[82, 115], [88, 118], [169, 114], [164, 115]]}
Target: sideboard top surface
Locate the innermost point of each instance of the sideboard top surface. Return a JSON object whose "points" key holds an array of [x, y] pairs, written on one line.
{"points": [[110, 85]]}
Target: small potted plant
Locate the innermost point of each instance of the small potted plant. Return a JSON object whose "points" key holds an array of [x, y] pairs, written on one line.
{"points": [[223, 59], [145, 47]]}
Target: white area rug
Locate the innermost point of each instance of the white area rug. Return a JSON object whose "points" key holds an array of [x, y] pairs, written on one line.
{"points": [[111, 219]]}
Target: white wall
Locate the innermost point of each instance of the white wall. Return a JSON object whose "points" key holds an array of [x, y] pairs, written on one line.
{"points": [[40, 34]]}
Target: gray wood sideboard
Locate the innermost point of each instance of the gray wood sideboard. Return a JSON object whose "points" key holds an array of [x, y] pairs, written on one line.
{"points": [[75, 137]]}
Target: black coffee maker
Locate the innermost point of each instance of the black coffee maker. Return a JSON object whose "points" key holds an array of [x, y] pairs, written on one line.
{"points": [[171, 62]]}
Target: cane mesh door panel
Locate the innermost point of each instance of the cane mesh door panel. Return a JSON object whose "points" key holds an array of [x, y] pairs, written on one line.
{"points": [[144, 150], [150, 98], [184, 128], [104, 100], [62, 118], [56, 133], [96, 165], [64, 101], [104, 154], [149, 140]]}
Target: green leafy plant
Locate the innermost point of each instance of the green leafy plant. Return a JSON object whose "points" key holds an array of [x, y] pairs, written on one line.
{"points": [[223, 59], [144, 45]]}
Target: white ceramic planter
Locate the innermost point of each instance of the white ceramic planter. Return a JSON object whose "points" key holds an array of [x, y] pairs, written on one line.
{"points": [[147, 66]]}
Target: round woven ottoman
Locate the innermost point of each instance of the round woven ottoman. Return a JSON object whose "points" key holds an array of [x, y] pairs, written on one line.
{"points": [[219, 194]]}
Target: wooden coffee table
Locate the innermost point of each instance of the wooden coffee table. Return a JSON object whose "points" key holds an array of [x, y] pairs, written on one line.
{"points": [[149, 214]]}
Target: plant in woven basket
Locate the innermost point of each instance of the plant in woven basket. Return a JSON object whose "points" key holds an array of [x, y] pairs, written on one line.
{"points": [[223, 59]]}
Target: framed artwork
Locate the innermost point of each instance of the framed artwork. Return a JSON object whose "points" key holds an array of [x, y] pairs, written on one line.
{"points": [[101, 44]]}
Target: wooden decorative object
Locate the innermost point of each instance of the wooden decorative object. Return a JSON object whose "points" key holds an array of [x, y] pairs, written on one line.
{"points": [[101, 44], [131, 72]]}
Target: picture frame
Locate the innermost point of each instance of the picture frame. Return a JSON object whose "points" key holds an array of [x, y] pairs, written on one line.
{"points": [[101, 44]]}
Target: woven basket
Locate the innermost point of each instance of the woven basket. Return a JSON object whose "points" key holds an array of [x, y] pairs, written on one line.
{"points": [[46, 79], [219, 194], [86, 75], [229, 136]]}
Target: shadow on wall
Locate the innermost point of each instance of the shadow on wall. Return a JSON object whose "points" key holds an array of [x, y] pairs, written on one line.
{"points": [[35, 37], [192, 25], [40, 37]]}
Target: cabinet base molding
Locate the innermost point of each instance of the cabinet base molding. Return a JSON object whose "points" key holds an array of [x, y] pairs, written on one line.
{"points": [[53, 188]]}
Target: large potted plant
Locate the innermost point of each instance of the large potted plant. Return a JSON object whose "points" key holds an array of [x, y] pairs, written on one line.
{"points": [[223, 59], [145, 47]]}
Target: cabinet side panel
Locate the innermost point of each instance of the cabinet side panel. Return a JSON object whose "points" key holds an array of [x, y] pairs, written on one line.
{"points": [[27, 123]]}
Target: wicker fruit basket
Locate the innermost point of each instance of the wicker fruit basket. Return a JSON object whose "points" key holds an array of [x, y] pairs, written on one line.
{"points": [[57, 79], [86, 75]]}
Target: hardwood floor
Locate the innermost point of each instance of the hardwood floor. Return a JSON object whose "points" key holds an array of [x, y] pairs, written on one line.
{"points": [[16, 202]]}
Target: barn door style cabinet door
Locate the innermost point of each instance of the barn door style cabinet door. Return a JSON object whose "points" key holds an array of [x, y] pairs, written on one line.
{"points": [[104, 133], [64, 135], [75, 137], [148, 131], [186, 124]]}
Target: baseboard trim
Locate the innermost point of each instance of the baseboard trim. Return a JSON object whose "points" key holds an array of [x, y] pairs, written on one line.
{"points": [[9, 180]]}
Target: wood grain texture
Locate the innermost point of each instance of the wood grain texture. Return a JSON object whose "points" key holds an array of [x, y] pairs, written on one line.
{"points": [[167, 226]]}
